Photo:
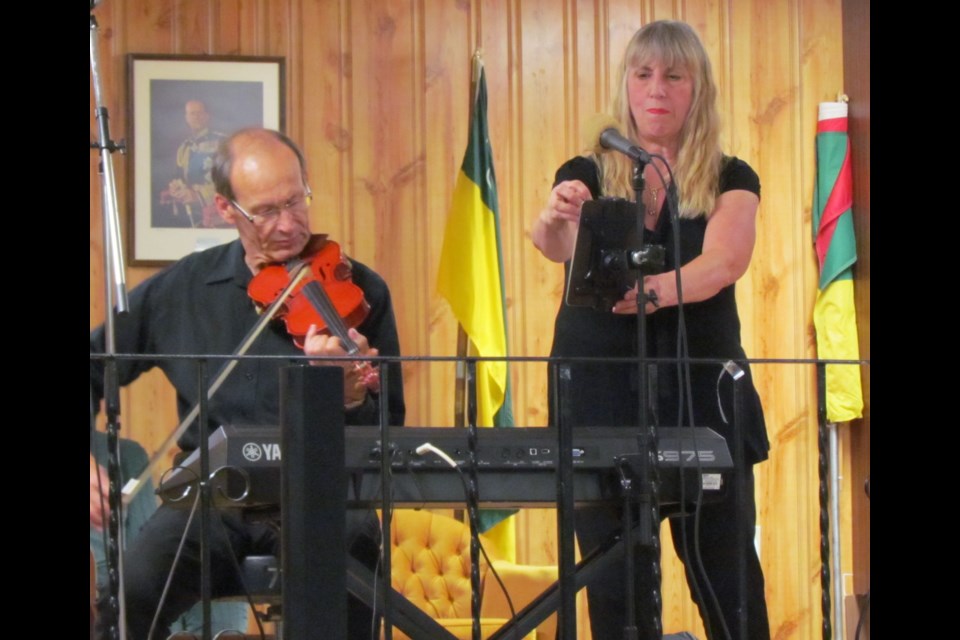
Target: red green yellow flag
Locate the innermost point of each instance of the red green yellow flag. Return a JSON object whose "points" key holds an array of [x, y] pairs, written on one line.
{"points": [[834, 315]]}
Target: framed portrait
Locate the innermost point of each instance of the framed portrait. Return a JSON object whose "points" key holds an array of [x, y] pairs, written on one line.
{"points": [[181, 107]]}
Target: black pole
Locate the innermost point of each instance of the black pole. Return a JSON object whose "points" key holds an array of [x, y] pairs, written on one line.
{"points": [[313, 502], [824, 471], [566, 565], [647, 492]]}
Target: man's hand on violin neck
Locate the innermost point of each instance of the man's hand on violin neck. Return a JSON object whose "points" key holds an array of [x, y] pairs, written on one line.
{"points": [[320, 344]]}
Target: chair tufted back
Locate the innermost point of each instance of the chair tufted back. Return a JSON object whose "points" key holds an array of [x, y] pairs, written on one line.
{"points": [[431, 562]]}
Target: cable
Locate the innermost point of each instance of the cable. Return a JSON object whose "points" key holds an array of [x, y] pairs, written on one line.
{"points": [[233, 559], [426, 446], [736, 373], [685, 397], [423, 449], [173, 565], [376, 576], [246, 591], [379, 564]]}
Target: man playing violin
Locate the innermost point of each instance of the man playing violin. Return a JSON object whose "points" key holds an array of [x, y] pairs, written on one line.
{"points": [[199, 305]]}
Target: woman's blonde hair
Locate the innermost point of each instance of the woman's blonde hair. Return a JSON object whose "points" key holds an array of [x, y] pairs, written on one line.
{"points": [[697, 167]]}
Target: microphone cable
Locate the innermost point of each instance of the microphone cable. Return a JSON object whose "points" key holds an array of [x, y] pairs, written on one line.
{"points": [[472, 515], [685, 400]]}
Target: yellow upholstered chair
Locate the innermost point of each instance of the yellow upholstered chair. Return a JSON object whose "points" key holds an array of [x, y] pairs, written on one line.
{"points": [[431, 568]]}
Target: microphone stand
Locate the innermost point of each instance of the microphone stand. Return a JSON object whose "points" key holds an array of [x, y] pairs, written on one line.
{"points": [[473, 498], [647, 489], [115, 293]]}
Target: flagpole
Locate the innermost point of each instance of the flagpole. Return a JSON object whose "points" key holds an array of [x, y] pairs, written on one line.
{"points": [[839, 393], [839, 621], [840, 628], [460, 384]]}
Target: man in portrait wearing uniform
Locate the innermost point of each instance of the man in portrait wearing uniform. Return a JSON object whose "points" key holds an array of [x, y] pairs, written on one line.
{"points": [[191, 193]]}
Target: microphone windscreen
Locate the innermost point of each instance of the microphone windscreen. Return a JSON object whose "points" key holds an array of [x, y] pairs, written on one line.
{"points": [[594, 126]]}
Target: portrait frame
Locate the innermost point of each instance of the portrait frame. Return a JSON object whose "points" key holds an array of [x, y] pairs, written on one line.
{"points": [[171, 212]]}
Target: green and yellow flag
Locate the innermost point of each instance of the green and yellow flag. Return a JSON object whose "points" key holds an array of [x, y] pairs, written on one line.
{"points": [[471, 270], [834, 315]]}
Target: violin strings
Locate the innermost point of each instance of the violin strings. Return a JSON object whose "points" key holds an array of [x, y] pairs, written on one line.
{"points": [[321, 302]]}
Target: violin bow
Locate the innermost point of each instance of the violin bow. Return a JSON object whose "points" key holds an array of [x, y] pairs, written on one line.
{"points": [[134, 485]]}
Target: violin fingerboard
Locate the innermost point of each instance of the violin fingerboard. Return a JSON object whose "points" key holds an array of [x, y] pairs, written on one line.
{"points": [[321, 302]]}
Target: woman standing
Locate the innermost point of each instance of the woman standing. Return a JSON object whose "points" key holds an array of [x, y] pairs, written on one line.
{"points": [[666, 104]]}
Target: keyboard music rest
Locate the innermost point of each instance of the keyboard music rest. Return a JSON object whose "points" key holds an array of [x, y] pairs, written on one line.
{"points": [[515, 465]]}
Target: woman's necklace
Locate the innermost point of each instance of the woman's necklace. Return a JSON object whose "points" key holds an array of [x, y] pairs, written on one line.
{"points": [[652, 210]]}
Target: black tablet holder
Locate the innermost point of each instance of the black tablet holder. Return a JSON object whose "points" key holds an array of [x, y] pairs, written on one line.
{"points": [[609, 257]]}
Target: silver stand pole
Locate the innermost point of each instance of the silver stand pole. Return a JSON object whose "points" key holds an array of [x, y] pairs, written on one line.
{"points": [[115, 294], [838, 625]]}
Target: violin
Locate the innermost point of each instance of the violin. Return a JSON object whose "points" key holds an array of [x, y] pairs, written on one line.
{"points": [[324, 295]]}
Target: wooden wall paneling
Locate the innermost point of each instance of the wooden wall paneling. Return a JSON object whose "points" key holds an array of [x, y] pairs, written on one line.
{"points": [[193, 26], [298, 46], [625, 17], [322, 76], [235, 21], [337, 114], [149, 27], [276, 30], [449, 34], [543, 142], [384, 217], [661, 10], [422, 275], [788, 480], [709, 19], [789, 500]]}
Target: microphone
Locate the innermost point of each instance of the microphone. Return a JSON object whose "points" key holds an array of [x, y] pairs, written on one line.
{"points": [[603, 133]]}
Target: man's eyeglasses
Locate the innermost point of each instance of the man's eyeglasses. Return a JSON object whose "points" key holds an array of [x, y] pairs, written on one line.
{"points": [[270, 213]]}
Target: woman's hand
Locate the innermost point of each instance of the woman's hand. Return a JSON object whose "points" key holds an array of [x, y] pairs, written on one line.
{"points": [[554, 232], [566, 200], [628, 304]]}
